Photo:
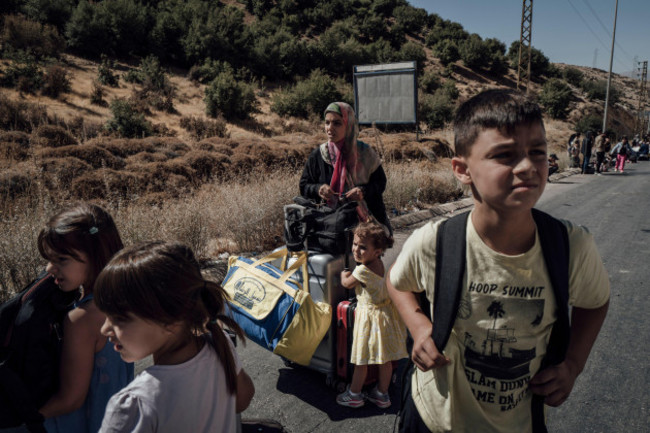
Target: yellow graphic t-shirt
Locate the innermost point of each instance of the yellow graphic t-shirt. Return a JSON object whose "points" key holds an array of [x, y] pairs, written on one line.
{"points": [[504, 322]]}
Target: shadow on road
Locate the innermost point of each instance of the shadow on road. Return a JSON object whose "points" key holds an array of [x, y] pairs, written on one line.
{"points": [[309, 386]]}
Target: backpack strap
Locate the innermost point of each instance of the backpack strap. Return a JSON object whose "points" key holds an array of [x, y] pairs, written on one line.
{"points": [[554, 240], [450, 267]]}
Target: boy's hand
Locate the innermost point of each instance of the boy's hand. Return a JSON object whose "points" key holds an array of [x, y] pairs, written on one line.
{"points": [[555, 383], [425, 354]]}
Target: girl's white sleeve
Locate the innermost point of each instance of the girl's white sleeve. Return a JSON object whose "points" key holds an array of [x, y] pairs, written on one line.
{"points": [[127, 413]]}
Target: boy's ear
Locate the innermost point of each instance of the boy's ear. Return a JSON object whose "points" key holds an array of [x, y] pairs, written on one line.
{"points": [[461, 170]]}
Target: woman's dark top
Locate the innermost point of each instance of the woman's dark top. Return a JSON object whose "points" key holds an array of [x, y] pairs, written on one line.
{"points": [[317, 172]]}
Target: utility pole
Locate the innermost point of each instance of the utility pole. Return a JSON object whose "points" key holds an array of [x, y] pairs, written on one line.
{"points": [[525, 48], [609, 76], [640, 118]]}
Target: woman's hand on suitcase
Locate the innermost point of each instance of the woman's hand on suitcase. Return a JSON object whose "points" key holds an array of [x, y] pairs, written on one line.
{"points": [[425, 354]]}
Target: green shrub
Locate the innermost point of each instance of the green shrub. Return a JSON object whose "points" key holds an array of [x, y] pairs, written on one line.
{"points": [[129, 25], [54, 12], [412, 51], [430, 81], [20, 34], [152, 74], [279, 55], [338, 50], [411, 19], [372, 28], [126, 121], [97, 94], [208, 70], [55, 82], [229, 97], [88, 31], [539, 63], [307, 97], [447, 51], [597, 90], [449, 90], [591, 122], [24, 75], [445, 30], [496, 50], [380, 51], [384, 7], [555, 98], [473, 53], [436, 110], [105, 73], [165, 36], [156, 89], [218, 33]]}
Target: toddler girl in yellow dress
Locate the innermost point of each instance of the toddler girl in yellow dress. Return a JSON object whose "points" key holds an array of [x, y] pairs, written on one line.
{"points": [[379, 333]]}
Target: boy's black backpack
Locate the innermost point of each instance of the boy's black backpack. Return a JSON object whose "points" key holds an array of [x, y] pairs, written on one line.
{"points": [[31, 331], [450, 267]]}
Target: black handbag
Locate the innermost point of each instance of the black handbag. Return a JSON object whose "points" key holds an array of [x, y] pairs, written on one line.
{"points": [[318, 227]]}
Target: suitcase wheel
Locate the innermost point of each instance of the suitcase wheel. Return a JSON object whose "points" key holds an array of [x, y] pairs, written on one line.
{"points": [[288, 363]]}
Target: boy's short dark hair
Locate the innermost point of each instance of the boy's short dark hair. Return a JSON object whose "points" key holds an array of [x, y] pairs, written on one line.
{"points": [[502, 109]]}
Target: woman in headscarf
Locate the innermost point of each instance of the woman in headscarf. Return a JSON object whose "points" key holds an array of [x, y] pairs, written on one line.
{"points": [[345, 168]]}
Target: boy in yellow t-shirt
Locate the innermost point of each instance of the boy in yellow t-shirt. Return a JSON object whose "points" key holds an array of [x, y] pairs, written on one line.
{"points": [[491, 366]]}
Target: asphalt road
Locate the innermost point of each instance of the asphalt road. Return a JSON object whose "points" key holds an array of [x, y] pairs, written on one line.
{"points": [[609, 396]]}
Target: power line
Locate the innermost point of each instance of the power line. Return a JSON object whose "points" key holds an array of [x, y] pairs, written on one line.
{"points": [[593, 12], [594, 33]]}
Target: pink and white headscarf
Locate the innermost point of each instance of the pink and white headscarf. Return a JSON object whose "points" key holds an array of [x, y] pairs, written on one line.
{"points": [[352, 165]]}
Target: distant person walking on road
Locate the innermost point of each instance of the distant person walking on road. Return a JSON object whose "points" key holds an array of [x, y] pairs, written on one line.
{"points": [[574, 150], [157, 303], [599, 148], [621, 152], [553, 166], [379, 333], [500, 365], [587, 144]]}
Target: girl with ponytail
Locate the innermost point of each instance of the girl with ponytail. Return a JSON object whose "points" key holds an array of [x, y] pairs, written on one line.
{"points": [[158, 303]]}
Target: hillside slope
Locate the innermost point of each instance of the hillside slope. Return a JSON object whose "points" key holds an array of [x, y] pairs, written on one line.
{"points": [[189, 101]]}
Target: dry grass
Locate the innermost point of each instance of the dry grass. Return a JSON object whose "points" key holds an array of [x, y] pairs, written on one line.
{"points": [[233, 216], [416, 185]]}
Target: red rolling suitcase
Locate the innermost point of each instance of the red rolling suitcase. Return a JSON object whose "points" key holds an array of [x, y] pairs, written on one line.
{"points": [[344, 336]]}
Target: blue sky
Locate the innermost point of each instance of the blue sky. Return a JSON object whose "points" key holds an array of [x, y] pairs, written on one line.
{"points": [[567, 31]]}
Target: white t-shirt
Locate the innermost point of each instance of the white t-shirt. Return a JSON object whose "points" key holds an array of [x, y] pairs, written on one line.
{"points": [[504, 321], [188, 397]]}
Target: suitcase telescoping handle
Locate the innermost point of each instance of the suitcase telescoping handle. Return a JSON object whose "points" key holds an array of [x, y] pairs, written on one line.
{"points": [[346, 260], [346, 254]]}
